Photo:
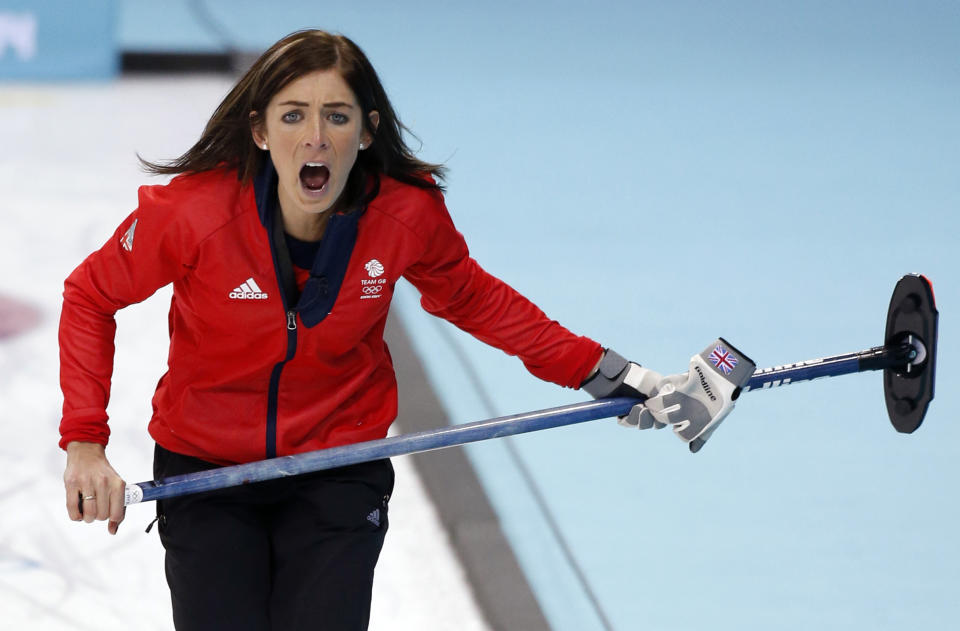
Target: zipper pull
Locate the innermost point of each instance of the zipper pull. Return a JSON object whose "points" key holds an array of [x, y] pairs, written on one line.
{"points": [[291, 321]]}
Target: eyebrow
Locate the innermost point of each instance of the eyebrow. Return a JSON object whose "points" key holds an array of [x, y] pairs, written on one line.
{"points": [[304, 104]]}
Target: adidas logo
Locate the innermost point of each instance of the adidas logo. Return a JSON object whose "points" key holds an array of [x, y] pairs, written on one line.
{"points": [[127, 240], [248, 290], [374, 517]]}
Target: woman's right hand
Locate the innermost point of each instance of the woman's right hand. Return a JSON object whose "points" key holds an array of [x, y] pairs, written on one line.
{"points": [[94, 490]]}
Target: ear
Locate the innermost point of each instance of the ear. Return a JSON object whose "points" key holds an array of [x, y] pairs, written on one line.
{"points": [[366, 137], [257, 130]]}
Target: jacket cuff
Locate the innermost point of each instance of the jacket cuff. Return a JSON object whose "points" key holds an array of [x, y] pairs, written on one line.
{"points": [[88, 426], [586, 373]]}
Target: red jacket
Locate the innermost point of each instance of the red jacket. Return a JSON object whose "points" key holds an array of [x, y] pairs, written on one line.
{"points": [[247, 378]]}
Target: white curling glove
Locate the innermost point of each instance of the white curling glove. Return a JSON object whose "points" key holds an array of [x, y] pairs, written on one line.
{"points": [[695, 402], [617, 377]]}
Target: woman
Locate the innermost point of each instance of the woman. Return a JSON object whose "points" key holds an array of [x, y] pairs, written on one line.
{"points": [[289, 223]]}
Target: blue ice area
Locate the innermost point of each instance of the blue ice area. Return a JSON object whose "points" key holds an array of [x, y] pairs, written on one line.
{"points": [[656, 175]]}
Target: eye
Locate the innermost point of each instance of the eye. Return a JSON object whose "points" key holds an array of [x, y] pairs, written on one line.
{"points": [[339, 118], [294, 116]]}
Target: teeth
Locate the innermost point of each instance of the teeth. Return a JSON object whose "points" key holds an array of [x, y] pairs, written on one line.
{"points": [[315, 164]]}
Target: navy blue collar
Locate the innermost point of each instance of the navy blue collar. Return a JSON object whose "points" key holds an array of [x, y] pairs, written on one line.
{"points": [[329, 266]]}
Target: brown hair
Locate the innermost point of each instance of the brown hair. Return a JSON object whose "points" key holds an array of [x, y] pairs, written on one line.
{"points": [[227, 142]]}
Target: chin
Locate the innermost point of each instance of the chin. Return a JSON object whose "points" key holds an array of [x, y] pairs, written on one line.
{"points": [[315, 206]]}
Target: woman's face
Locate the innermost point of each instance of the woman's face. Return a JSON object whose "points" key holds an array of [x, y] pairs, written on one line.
{"points": [[313, 130]]}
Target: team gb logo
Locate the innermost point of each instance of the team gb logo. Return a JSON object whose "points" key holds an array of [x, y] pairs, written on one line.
{"points": [[374, 268]]}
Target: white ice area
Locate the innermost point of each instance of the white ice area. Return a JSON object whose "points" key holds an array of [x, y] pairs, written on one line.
{"points": [[69, 175]]}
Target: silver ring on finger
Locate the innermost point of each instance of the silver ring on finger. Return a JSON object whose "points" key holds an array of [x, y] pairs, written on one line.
{"points": [[89, 497]]}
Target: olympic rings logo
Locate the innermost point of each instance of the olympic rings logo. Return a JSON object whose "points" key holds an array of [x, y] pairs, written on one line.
{"points": [[373, 289]]}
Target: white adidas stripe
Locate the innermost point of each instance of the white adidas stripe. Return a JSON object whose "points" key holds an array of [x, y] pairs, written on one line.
{"points": [[253, 284]]}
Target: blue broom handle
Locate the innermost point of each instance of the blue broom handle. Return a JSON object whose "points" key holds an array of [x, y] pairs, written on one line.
{"points": [[377, 449], [873, 359], [876, 358]]}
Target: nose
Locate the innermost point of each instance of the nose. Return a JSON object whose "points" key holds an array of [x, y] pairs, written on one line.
{"points": [[316, 137]]}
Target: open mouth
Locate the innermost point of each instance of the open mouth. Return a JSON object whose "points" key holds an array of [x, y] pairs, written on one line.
{"points": [[314, 176]]}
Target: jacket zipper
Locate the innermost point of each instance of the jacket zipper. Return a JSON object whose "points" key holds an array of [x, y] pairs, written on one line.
{"points": [[274, 391], [289, 298]]}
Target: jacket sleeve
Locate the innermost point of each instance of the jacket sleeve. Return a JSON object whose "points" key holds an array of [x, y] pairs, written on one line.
{"points": [[456, 288], [151, 248]]}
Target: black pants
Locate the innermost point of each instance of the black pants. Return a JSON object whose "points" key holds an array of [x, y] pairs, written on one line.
{"points": [[288, 554]]}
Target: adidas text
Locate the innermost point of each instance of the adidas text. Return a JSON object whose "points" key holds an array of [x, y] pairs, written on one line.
{"points": [[248, 290], [248, 295]]}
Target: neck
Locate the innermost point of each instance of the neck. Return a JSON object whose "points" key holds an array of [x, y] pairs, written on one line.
{"points": [[303, 225]]}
